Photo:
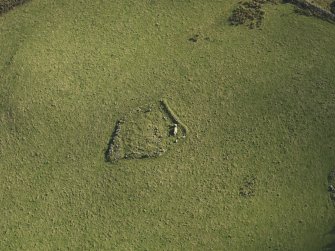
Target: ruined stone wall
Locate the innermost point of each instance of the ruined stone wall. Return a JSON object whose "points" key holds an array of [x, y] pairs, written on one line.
{"points": [[313, 9]]}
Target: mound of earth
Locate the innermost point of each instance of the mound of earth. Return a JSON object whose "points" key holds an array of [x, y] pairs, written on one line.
{"points": [[146, 132]]}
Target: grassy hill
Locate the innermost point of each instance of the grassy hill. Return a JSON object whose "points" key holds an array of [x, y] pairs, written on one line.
{"points": [[323, 3], [259, 105]]}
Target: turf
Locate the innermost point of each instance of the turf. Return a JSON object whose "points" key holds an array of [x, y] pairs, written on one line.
{"points": [[322, 3], [259, 106]]}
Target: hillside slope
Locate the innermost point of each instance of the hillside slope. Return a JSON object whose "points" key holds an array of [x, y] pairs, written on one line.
{"points": [[259, 105]]}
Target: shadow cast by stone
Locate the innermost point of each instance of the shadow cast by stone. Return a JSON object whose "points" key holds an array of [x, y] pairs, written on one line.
{"points": [[111, 142], [330, 246]]}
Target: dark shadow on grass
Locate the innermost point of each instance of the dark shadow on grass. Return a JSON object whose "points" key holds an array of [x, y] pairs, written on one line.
{"points": [[330, 246], [7, 5], [109, 149]]}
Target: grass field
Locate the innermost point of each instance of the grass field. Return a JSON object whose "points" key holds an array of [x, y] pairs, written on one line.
{"points": [[259, 105], [322, 3]]}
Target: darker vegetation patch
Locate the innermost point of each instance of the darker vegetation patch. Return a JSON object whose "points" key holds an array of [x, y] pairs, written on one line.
{"points": [[113, 145], [330, 246], [308, 9], [194, 38], [331, 185], [332, 7], [249, 13], [198, 37], [248, 187], [303, 12], [6, 5]]}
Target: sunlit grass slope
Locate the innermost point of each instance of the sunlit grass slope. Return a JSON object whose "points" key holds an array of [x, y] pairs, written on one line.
{"points": [[258, 103]]}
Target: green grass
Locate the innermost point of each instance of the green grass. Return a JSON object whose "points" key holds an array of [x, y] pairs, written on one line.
{"points": [[322, 3], [258, 103], [145, 132]]}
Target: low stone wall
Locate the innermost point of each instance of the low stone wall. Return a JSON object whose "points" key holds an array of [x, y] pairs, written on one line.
{"points": [[313, 9], [112, 146], [173, 116]]}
